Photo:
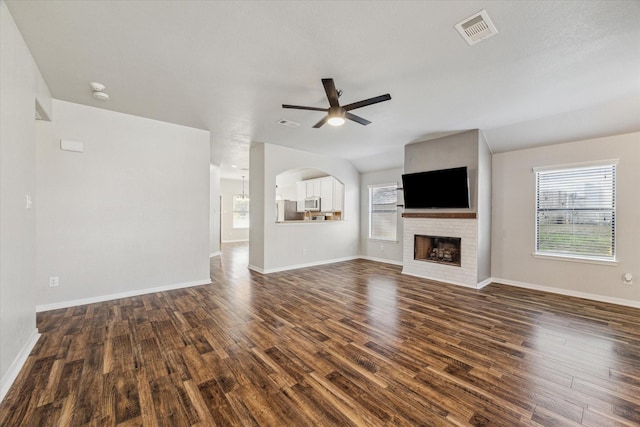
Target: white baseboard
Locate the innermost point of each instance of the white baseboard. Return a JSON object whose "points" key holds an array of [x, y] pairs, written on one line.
{"points": [[256, 269], [484, 283], [235, 241], [441, 281], [102, 298], [211, 255], [585, 295], [305, 265], [386, 261], [14, 369]]}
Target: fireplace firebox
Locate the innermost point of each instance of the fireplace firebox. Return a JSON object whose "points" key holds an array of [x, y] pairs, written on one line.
{"points": [[438, 249]]}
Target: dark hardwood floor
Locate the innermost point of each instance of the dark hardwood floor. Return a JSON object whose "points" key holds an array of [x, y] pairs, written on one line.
{"points": [[348, 344]]}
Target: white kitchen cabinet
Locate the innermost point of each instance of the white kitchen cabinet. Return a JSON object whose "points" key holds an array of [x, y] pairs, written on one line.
{"points": [[326, 194], [338, 196], [301, 190], [313, 187], [328, 189]]}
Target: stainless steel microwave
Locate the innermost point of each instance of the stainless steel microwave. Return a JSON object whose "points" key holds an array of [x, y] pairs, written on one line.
{"points": [[312, 204]]}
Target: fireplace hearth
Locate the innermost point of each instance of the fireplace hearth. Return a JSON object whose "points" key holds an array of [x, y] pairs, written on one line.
{"points": [[438, 249]]}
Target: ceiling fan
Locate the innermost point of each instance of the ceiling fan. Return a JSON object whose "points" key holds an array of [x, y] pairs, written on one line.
{"points": [[336, 113]]}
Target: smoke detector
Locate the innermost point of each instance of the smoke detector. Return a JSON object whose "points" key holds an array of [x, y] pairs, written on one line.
{"points": [[98, 91], [476, 28], [102, 96], [97, 87]]}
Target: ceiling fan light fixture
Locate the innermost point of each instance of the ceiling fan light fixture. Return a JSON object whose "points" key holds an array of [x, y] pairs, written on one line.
{"points": [[336, 121], [336, 116]]}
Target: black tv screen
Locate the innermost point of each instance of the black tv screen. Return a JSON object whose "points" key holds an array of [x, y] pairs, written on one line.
{"points": [[444, 188]]}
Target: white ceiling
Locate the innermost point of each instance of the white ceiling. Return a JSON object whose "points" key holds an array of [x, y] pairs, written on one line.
{"points": [[556, 71]]}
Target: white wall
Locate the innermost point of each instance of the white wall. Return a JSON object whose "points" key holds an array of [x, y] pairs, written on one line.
{"points": [[257, 212], [228, 188], [20, 85], [129, 214], [379, 249], [214, 210], [513, 239], [283, 246]]}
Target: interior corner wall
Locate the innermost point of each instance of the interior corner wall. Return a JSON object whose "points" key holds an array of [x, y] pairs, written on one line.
{"points": [[451, 151], [214, 210], [379, 249], [229, 188], [129, 214], [296, 245], [513, 234], [484, 209], [20, 85]]}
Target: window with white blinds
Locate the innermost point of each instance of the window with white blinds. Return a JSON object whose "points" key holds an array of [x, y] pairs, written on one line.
{"points": [[383, 212], [576, 212]]}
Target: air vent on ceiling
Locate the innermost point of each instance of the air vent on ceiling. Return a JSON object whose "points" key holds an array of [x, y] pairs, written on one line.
{"points": [[476, 28], [288, 123]]}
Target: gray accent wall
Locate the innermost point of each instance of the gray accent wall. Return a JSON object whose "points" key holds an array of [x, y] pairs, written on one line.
{"points": [[451, 151], [468, 149], [484, 209]]}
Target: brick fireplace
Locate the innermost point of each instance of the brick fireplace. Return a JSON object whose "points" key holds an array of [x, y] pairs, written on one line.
{"points": [[453, 236]]}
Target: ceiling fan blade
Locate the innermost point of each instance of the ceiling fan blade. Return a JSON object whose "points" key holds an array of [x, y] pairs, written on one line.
{"points": [[357, 119], [366, 102], [300, 107], [321, 122], [332, 93]]}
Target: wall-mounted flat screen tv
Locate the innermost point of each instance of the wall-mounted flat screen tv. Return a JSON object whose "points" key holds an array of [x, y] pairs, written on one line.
{"points": [[444, 188]]}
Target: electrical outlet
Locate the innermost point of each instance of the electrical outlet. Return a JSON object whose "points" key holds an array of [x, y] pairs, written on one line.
{"points": [[304, 251], [382, 248], [627, 279], [53, 281]]}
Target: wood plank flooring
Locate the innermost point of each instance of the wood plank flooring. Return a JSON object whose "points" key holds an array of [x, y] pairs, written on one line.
{"points": [[348, 344]]}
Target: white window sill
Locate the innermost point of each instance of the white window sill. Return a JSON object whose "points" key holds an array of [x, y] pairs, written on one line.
{"points": [[584, 260], [377, 239]]}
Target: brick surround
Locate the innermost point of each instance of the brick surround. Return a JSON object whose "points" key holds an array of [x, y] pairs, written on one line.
{"points": [[466, 229]]}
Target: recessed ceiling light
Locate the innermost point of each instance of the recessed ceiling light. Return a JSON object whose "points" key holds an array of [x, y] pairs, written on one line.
{"points": [[234, 166]]}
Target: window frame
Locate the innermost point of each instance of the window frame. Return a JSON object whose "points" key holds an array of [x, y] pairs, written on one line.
{"points": [[576, 257], [370, 212], [234, 211]]}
